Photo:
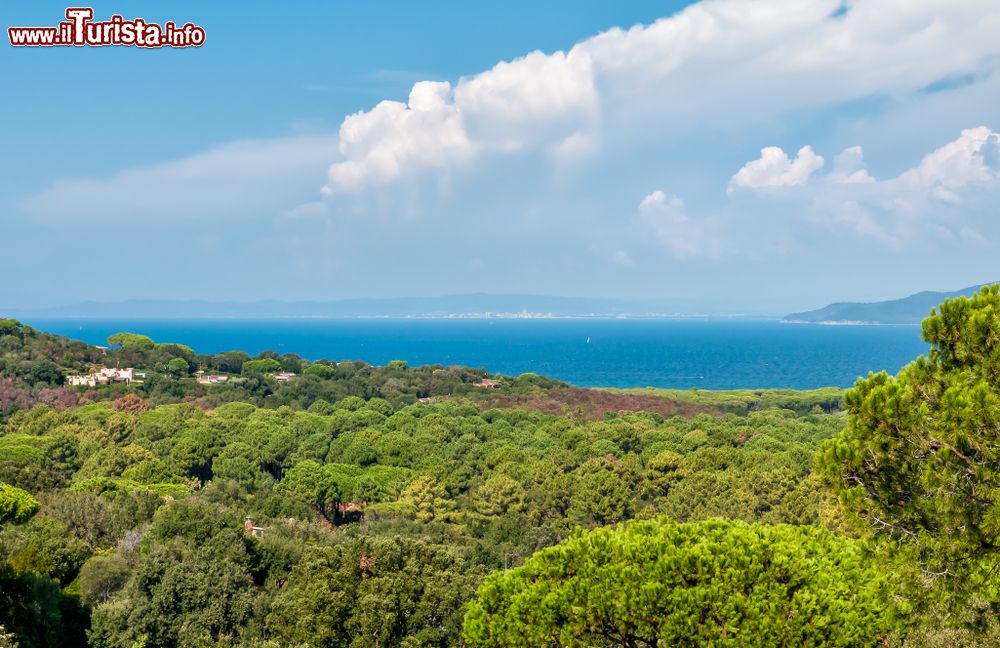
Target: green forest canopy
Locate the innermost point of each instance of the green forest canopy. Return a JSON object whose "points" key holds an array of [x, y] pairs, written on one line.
{"points": [[659, 583], [386, 520]]}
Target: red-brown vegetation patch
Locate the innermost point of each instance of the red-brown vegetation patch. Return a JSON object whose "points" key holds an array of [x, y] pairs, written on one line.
{"points": [[594, 404], [130, 403]]}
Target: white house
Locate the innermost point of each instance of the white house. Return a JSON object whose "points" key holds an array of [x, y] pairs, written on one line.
{"points": [[212, 380], [104, 376]]}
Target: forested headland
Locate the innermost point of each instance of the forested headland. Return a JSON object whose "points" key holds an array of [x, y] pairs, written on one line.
{"points": [[323, 503]]}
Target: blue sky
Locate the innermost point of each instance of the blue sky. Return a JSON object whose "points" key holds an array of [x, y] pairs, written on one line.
{"points": [[730, 156]]}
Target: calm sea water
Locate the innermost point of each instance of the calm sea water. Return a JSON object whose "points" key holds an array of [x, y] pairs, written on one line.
{"points": [[612, 353]]}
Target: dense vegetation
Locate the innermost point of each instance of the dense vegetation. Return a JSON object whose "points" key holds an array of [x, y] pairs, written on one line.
{"points": [[918, 462], [378, 506], [138, 502], [34, 365], [743, 401], [719, 583]]}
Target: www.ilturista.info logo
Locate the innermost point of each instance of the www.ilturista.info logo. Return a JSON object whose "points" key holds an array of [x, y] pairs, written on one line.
{"points": [[79, 30]]}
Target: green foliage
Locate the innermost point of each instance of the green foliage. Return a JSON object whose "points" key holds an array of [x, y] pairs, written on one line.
{"points": [[239, 462], [500, 495], [102, 520], [41, 547], [711, 583], [178, 367], [16, 505], [191, 521], [23, 448], [173, 599], [917, 463], [428, 499], [111, 461], [194, 451], [267, 365], [102, 577], [39, 613], [377, 516], [193, 586], [315, 485], [663, 472], [110, 485], [131, 341], [374, 592], [322, 371], [176, 349], [33, 365], [45, 372], [604, 493], [10, 326], [744, 401]]}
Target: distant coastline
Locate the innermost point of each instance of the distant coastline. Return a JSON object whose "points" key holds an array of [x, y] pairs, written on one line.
{"points": [[478, 306], [424, 316], [910, 310], [847, 323]]}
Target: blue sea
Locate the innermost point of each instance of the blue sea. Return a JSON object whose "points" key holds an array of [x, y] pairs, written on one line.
{"points": [[708, 354]]}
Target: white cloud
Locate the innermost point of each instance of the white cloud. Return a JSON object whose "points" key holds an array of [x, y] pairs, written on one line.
{"points": [[970, 159], [683, 82], [659, 200], [860, 219], [952, 184], [536, 88], [942, 197], [682, 236], [379, 145], [849, 166], [774, 169], [728, 63], [528, 102], [573, 148], [972, 236]]}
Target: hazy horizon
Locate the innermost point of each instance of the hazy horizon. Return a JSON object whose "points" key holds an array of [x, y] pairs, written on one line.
{"points": [[452, 305], [457, 303]]}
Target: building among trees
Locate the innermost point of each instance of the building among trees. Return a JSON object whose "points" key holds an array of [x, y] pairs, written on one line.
{"points": [[105, 376]]}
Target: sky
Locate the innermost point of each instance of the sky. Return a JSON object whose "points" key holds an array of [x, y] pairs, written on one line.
{"points": [[717, 156]]}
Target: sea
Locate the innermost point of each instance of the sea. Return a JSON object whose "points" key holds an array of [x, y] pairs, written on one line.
{"points": [[669, 353]]}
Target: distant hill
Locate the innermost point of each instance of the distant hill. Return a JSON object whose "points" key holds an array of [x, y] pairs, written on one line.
{"points": [[909, 310], [451, 305]]}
